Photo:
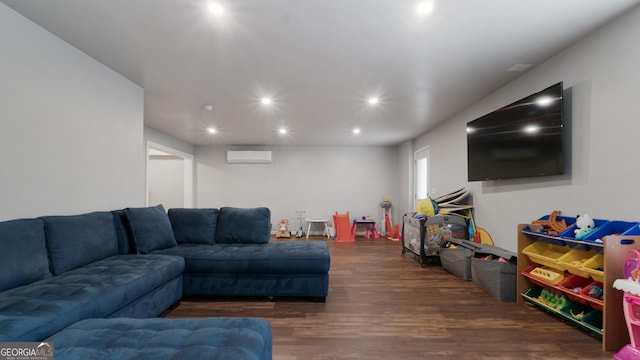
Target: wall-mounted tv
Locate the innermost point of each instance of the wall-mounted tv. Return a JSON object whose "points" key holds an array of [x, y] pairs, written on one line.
{"points": [[522, 139]]}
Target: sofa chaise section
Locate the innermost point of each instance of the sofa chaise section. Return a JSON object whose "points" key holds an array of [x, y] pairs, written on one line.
{"points": [[227, 252], [296, 268], [83, 276]]}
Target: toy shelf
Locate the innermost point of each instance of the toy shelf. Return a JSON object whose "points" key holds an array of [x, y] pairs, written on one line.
{"points": [[605, 318]]}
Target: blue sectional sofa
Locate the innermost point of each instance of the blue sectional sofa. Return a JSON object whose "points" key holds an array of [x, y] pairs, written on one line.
{"points": [[62, 276]]}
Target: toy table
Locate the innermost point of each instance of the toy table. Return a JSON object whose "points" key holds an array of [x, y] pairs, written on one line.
{"points": [[317, 220], [631, 307], [371, 230]]}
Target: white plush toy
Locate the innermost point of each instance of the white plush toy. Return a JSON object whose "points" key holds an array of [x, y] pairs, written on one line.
{"points": [[584, 225]]}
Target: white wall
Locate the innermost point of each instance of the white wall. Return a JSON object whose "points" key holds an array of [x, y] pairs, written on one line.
{"points": [[319, 180], [70, 128], [602, 84], [406, 190]]}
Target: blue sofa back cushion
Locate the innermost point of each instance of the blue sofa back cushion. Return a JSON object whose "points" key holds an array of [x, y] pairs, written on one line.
{"points": [[243, 226], [23, 258], [77, 240], [151, 228], [123, 232], [194, 226]]}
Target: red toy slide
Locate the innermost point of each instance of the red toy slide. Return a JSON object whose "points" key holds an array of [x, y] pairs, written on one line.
{"points": [[343, 227]]}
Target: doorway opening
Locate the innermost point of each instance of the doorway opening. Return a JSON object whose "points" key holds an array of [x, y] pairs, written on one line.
{"points": [[169, 177]]}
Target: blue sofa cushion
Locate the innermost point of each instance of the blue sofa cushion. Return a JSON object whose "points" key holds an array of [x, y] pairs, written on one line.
{"points": [[31, 313], [151, 228], [23, 258], [194, 226], [279, 257], [243, 226], [123, 232], [209, 338], [77, 240]]}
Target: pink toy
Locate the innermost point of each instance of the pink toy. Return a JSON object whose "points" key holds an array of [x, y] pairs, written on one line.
{"points": [[372, 232], [631, 265], [631, 306]]}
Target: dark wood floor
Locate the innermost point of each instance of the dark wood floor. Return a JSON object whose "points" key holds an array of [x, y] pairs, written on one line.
{"points": [[383, 305]]}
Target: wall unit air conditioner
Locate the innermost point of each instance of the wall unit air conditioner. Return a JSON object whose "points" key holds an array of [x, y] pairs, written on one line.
{"points": [[249, 157]]}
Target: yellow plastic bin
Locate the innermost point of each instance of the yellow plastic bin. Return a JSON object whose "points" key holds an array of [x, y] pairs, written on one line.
{"points": [[545, 254], [574, 260], [595, 267]]}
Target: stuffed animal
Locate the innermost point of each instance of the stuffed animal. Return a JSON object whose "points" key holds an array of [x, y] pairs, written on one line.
{"points": [[584, 226], [283, 229]]}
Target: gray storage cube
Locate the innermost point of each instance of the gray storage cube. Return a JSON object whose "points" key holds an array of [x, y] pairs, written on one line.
{"points": [[495, 277], [458, 260]]}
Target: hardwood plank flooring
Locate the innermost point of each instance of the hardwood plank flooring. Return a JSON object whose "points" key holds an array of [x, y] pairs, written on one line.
{"points": [[383, 305]]}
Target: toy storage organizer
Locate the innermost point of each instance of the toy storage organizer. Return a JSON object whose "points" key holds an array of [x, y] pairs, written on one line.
{"points": [[573, 279], [425, 236], [456, 257], [494, 270], [491, 268]]}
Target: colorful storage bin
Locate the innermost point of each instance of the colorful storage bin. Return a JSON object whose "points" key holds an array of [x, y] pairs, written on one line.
{"points": [[574, 285], [610, 228], [545, 254], [574, 260], [595, 267], [551, 276]]}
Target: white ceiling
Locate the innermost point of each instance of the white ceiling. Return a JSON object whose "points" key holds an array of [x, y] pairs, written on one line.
{"points": [[319, 59]]}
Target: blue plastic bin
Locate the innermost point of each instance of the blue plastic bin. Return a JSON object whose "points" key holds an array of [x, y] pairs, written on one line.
{"points": [[546, 237], [570, 235], [634, 230], [570, 232]]}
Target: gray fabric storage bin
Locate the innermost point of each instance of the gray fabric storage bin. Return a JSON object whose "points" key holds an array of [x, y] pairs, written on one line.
{"points": [[458, 260], [495, 277]]}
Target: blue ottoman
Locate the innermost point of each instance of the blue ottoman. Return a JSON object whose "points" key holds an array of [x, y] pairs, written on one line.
{"points": [[160, 338]]}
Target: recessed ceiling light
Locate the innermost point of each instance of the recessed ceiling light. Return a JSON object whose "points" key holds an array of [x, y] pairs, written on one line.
{"points": [[373, 100], [215, 8], [356, 131], [424, 7], [211, 130], [282, 131], [266, 101], [207, 107]]}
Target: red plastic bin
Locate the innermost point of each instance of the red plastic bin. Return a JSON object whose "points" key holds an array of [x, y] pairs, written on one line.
{"points": [[575, 282]]}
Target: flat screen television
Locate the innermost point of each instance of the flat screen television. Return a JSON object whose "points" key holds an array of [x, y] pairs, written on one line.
{"points": [[522, 139]]}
